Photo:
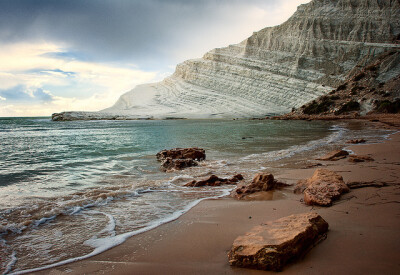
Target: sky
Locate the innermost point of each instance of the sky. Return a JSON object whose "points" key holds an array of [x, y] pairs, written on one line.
{"points": [[81, 55]]}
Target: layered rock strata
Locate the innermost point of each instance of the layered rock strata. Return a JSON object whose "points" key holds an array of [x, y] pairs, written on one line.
{"points": [[277, 68], [271, 245]]}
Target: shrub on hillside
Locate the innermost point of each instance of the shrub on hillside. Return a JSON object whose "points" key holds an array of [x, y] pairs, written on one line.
{"points": [[318, 107], [387, 106], [348, 107]]}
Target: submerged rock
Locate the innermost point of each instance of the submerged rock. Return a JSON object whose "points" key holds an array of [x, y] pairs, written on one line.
{"points": [[182, 153], [271, 245], [169, 164], [356, 141], [335, 155], [322, 188], [261, 182], [215, 181], [180, 158]]}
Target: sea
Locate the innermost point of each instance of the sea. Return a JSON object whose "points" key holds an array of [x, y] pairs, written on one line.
{"points": [[71, 190]]}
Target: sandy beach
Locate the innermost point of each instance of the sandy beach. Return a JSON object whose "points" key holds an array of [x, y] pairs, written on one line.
{"points": [[363, 237]]}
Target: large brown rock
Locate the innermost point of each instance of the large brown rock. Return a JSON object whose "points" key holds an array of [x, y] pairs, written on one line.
{"points": [[214, 181], [169, 164], [322, 188], [335, 155], [182, 153], [261, 182], [180, 158], [271, 245]]}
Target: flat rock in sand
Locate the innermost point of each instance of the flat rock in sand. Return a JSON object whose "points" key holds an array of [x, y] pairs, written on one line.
{"points": [[322, 188], [356, 158], [334, 155], [362, 184], [271, 245]]}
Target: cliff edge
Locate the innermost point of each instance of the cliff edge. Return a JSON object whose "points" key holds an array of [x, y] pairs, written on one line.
{"points": [[275, 70]]}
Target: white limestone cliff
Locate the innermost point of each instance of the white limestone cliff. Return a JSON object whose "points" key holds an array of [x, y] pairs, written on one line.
{"points": [[275, 69]]}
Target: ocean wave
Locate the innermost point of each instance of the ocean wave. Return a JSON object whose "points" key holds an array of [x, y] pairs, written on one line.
{"points": [[103, 244], [337, 134]]}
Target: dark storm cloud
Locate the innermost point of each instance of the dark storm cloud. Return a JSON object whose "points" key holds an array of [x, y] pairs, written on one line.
{"points": [[115, 29]]}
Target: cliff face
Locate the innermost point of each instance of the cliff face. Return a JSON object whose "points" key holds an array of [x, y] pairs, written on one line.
{"points": [[277, 68]]}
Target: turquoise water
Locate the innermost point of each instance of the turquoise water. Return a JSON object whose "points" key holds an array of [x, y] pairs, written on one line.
{"points": [[71, 189]]}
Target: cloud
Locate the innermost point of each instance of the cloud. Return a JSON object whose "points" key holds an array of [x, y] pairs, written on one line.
{"points": [[83, 54], [21, 93], [152, 33], [28, 74]]}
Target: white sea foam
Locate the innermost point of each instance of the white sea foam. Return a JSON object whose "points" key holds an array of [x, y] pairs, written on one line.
{"points": [[295, 149], [180, 178], [104, 244]]}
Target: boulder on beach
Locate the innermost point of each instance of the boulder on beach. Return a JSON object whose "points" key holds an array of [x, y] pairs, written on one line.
{"points": [[335, 155], [322, 188], [261, 182], [214, 181], [180, 158], [271, 245]]}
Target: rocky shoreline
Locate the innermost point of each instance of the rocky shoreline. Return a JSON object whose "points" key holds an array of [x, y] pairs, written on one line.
{"points": [[367, 205]]}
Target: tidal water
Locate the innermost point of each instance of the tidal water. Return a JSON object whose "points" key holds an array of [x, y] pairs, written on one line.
{"points": [[70, 190]]}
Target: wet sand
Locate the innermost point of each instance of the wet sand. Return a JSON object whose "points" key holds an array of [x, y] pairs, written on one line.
{"points": [[363, 236]]}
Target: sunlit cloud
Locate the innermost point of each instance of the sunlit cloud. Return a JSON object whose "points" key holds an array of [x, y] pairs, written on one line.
{"points": [[35, 74]]}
